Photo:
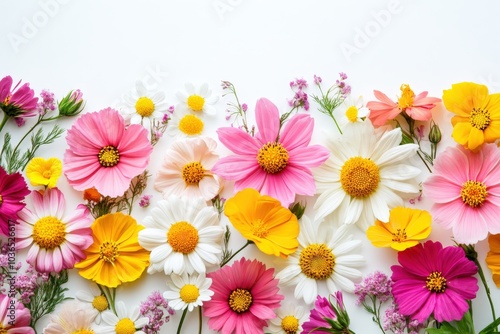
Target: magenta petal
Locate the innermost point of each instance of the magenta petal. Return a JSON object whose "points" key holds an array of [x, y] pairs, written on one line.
{"points": [[268, 121], [5, 85]]}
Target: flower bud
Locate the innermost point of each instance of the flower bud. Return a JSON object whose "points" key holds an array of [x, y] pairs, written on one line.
{"points": [[406, 139], [72, 104], [297, 209], [434, 134]]}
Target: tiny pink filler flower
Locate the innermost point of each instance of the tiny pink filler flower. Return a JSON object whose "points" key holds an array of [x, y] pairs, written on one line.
{"points": [[104, 154], [276, 164]]}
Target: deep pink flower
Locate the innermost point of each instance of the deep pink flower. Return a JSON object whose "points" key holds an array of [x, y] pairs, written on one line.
{"points": [[57, 238], [13, 190], [14, 320], [246, 295], [20, 102], [322, 310], [104, 154], [465, 190], [276, 164], [417, 107], [434, 280]]}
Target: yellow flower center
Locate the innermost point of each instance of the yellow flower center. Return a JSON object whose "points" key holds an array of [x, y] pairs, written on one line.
{"points": [[193, 173], [191, 125], [125, 326], [1, 201], [100, 303], [49, 232], [399, 236], [3, 330], [47, 173], [473, 193], [480, 118], [189, 293], [352, 114], [182, 237], [435, 282], [260, 229], [273, 158], [317, 261], [359, 177], [82, 331], [290, 324], [406, 99], [108, 251], [196, 102], [240, 300], [109, 156], [144, 106]]}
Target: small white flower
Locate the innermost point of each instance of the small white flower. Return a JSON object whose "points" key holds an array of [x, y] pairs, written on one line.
{"points": [[95, 300], [124, 322], [351, 112], [183, 124], [141, 103], [290, 318], [323, 255], [73, 317], [188, 291], [198, 100]]}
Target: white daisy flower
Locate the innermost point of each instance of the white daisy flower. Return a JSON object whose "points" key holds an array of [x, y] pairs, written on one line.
{"points": [[95, 300], [141, 104], [351, 112], [124, 322], [365, 176], [290, 318], [183, 124], [73, 317], [198, 100], [323, 255], [183, 235], [188, 291]]}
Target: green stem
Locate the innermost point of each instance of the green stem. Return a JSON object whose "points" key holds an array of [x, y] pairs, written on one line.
{"points": [[425, 163], [337, 124], [377, 313], [487, 289], [182, 320], [4, 121], [200, 322], [40, 119], [239, 250]]}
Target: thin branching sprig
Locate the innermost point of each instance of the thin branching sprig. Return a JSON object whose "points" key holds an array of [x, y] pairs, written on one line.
{"points": [[236, 110]]}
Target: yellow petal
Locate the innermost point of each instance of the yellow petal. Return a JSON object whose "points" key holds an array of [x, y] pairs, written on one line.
{"points": [[461, 132], [476, 139]]}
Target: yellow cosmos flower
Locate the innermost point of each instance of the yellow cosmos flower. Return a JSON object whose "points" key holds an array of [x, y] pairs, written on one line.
{"points": [[43, 172], [477, 119], [405, 228], [493, 257], [115, 256], [261, 219]]}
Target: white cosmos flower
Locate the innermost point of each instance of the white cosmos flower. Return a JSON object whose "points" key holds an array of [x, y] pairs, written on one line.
{"points": [[125, 321], [188, 291], [351, 112], [197, 99], [323, 255], [365, 176], [184, 124], [141, 103], [183, 235], [73, 317], [94, 299], [290, 318]]}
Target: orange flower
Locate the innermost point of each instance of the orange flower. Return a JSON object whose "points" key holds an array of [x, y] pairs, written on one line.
{"points": [[91, 195], [493, 257]]}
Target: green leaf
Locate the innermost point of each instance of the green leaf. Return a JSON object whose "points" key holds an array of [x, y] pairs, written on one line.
{"points": [[491, 328]]}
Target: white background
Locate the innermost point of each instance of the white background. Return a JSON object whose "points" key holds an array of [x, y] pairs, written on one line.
{"points": [[104, 47]]}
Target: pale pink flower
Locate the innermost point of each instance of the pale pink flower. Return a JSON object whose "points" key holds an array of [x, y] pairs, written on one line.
{"points": [[104, 154], [276, 164], [465, 190], [14, 317], [57, 238]]}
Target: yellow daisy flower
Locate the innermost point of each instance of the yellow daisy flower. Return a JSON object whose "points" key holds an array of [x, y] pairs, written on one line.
{"points": [[405, 228], [477, 119], [42, 172], [261, 219], [115, 256], [493, 257]]}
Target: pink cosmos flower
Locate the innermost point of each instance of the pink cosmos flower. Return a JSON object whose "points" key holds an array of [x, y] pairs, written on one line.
{"points": [[104, 154], [276, 164], [321, 312], [14, 320], [13, 190], [246, 295], [20, 102], [417, 107], [434, 280], [57, 239], [465, 190]]}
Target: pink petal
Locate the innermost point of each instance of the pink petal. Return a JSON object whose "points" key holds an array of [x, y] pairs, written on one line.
{"points": [[309, 157], [268, 121], [236, 167], [297, 132], [238, 141]]}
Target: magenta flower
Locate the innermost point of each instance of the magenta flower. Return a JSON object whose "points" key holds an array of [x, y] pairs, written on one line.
{"points": [[319, 314], [16, 103], [465, 190], [104, 154], [246, 295], [434, 280], [276, 164], [16, 322], [57, 238], [13, 190]]}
